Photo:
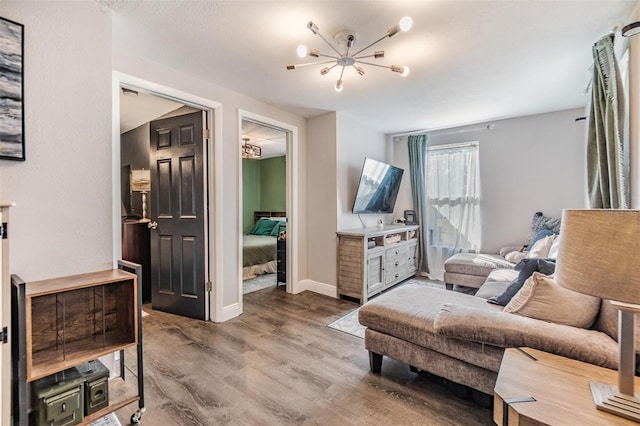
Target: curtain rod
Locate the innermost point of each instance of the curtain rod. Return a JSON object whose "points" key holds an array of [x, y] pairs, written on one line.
{"points": [[444, 131]]}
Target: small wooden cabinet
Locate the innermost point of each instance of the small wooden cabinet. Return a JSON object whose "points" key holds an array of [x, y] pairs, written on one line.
{"points": [[136, 248], [281, 248], [371, 260]]}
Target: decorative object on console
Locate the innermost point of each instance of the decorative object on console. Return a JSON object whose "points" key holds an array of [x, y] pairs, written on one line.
{"points": [[410, 217], [344, 58], [12, 94], [141, 182], [598, 257]]}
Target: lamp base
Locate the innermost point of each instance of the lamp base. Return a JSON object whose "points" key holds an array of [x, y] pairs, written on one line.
{"points": [[607, 398]]}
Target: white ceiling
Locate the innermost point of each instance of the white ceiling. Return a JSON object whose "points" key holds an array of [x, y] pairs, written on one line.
{"points": [[470, 61]]}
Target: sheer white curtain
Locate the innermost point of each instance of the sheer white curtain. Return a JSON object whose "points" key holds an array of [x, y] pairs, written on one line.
{"points": [[453, 203]]}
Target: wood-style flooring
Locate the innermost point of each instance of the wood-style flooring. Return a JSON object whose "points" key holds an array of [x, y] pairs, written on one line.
{"points": [[279, 364]]}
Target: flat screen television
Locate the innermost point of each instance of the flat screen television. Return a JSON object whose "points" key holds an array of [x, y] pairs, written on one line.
{"points": [[378, 187]]}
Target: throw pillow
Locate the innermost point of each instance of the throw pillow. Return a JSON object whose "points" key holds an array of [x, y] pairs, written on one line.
{"points": [[280, 226], [526, 268], [553, 251], [541, 247], [540, 221], [542, 233], [541, 298], [515, 256]]}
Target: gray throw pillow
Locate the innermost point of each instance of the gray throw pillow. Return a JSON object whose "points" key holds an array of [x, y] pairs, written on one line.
{"points": [[526, 268]]}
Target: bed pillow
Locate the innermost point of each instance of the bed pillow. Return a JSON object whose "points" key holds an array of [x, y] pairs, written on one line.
{"points": [[263, 226], [280, 226], [541, 298]]}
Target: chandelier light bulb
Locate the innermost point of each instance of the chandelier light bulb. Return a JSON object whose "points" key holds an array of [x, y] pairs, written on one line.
{"points": [[360, 70], [302, 51], [405, 71], [405, 24], [324, 70], [339, 86]]}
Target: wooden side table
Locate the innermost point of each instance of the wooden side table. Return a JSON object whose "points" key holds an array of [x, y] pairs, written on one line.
{"points": [[559, 387]]}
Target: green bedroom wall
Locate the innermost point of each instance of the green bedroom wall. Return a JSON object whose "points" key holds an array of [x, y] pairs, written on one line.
{"points": [[263, 187], [274, 184], [250, 191]]}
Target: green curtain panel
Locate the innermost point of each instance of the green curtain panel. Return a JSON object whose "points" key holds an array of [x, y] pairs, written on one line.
{"points": [[418, 173], [605, 157]]}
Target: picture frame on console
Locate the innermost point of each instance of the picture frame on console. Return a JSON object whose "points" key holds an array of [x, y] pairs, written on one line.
{"points": [[410, 217]]}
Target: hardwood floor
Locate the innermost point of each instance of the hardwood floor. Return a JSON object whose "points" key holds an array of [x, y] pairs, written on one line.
{"points": [[279, 364]]}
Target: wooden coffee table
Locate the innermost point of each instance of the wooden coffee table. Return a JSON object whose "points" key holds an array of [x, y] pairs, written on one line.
{"points": [[536, 387]]}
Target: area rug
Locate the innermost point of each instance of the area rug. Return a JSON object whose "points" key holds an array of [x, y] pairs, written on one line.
{"points": [[349, 323], [108, 420], [258, 283]]}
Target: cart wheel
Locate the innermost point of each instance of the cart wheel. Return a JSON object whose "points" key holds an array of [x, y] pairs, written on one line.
{"points": [[136, 417]]}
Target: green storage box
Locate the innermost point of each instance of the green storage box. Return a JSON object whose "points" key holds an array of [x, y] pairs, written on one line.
{"points": [[60, 398], [96, 385]]}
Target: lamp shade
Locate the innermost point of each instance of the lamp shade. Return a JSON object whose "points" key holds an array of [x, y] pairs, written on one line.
{"points": [[599, 254], [141, 180]]}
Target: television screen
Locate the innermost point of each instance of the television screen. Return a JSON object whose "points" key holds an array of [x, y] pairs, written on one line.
{"points": [[378, 187]]}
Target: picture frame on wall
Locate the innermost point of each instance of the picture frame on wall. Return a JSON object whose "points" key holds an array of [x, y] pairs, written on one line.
{"points": [[11, 90]]}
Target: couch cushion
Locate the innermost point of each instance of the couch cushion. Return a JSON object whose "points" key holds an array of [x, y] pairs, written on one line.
{"points": [[541, 298], [409, 312], [475, 263], [497, 281]]}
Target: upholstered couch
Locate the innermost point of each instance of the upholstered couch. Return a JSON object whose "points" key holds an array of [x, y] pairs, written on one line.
{"points": [[461, 337]]}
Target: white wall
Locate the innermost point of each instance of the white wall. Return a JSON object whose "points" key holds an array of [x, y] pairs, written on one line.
{"points": [[321, 198], [62, 222], [527, 164], [354, 143]]}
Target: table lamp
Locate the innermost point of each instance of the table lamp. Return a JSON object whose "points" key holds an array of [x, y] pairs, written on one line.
{"points": [[598, 255], [141, 182]]}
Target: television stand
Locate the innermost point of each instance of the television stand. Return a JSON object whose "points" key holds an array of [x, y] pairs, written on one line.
{"points": [[371, 260]]}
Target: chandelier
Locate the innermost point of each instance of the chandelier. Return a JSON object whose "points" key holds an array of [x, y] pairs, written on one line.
{"points": [[250, 151], [345, 58]]}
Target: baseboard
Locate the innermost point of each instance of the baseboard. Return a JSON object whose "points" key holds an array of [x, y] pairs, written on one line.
{"points": [[316, 287], [229, 312]]}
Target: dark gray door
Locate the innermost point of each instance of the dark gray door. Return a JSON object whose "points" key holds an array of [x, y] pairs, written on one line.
{"points": [[177, 205]]}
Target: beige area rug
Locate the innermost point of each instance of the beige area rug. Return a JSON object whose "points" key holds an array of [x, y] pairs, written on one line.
{"points": [[349, 323], [108, 420], [259, 282]]}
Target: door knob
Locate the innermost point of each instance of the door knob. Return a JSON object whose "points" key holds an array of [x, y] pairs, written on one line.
{"points": [[152, 225]]}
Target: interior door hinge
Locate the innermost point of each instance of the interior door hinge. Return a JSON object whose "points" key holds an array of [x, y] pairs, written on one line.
{"points": [[205, 134], [4, 335], [208, 286], [3, 230]]}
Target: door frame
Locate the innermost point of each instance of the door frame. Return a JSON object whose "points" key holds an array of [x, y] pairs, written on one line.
{"points": [[292, 285], [212, 176]]}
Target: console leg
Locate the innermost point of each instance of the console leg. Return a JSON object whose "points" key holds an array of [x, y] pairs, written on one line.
{"points": [[449, 286], [375, 362]]}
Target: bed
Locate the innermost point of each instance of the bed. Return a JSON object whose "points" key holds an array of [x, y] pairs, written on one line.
{"points": [[259, 245]]}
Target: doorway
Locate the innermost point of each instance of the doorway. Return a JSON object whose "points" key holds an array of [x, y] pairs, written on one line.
{"points": [[289, 255], [164, 192], [264, 206]]}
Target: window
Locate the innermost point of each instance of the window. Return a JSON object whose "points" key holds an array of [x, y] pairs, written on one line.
{"points": [[453, 200]]}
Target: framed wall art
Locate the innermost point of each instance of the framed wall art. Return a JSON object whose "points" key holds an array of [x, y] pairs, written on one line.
{"points": [[11, 90]]}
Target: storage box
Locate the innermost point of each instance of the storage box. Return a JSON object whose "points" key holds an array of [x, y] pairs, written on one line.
{"points": [[96, 385], [60, 398]]}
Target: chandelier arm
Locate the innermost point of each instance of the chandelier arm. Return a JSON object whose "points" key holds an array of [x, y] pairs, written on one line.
{"points": [[373, 65], [363, 57], [330, 45], [341, 72], [314, 63], [335, 58], [365, 48]]}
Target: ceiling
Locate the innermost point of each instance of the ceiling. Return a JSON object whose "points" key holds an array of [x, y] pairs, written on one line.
{"points": [[471, 61]]}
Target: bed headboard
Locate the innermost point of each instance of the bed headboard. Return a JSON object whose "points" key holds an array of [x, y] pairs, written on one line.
{"points": [[258, 214]]}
